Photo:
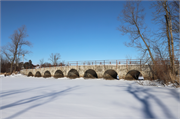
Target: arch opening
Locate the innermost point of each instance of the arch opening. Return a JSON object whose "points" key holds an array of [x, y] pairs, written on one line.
{"points": [[110, 74], [38, 74], [73, 73], [47, 74], [58, 74], [90, 73], [30, 74], [133, 74]]}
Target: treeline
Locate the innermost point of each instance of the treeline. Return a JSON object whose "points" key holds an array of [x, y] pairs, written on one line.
{"points": [[54, 61], [6, 66], [51, 65]]}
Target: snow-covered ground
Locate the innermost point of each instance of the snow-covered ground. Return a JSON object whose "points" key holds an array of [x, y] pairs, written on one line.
{"points": [[39, 98]]}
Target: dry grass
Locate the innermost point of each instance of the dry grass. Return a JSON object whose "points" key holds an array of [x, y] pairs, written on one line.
{"points": [[2, 73], [163, 73]]}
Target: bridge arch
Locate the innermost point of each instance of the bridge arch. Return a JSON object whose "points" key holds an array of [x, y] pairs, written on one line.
{"points": [[73, 73], [30, 74], [47, 74], [38, 74], [110, 74], [132, 74], [58, 74], [90, 73]]}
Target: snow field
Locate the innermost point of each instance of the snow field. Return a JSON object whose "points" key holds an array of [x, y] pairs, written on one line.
{"points": [[39, 98]]}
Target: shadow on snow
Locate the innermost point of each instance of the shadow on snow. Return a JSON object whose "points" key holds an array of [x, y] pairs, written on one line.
{"points": [[40, 100], [147, 111]]}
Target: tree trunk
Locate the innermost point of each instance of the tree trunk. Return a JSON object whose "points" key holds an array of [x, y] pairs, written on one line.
{"points": [[146, 45], [172, 45], [11, 68], [170, 30], [12, 63], [148, 49], [169, 43]]}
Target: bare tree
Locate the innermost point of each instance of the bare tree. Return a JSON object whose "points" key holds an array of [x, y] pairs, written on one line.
{"points": [[54, 58], [62, 63], [13, 49], [41, 62], [167, 15], [169, 28], [175, 17], [132, 22], [46, 64]]}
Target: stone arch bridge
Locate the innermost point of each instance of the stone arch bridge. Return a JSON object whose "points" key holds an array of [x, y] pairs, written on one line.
{"points": [[126, 69]]}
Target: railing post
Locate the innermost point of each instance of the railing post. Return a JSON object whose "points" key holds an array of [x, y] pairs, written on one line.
{"points": [[126, 63], [178, 66], [116, 64], [92, 63], [104, 63], [77, 63], [140, 64]]}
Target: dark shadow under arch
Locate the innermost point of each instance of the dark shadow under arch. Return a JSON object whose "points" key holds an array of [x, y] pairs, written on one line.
{"points": [[90, 73], [47, 74], [38, 74], [58, 74], [133, 74], [73, 73], [110, 74], [30, 74]]}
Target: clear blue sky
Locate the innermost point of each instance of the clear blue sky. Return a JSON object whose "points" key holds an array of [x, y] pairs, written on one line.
{"points": [[77, 30]]}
